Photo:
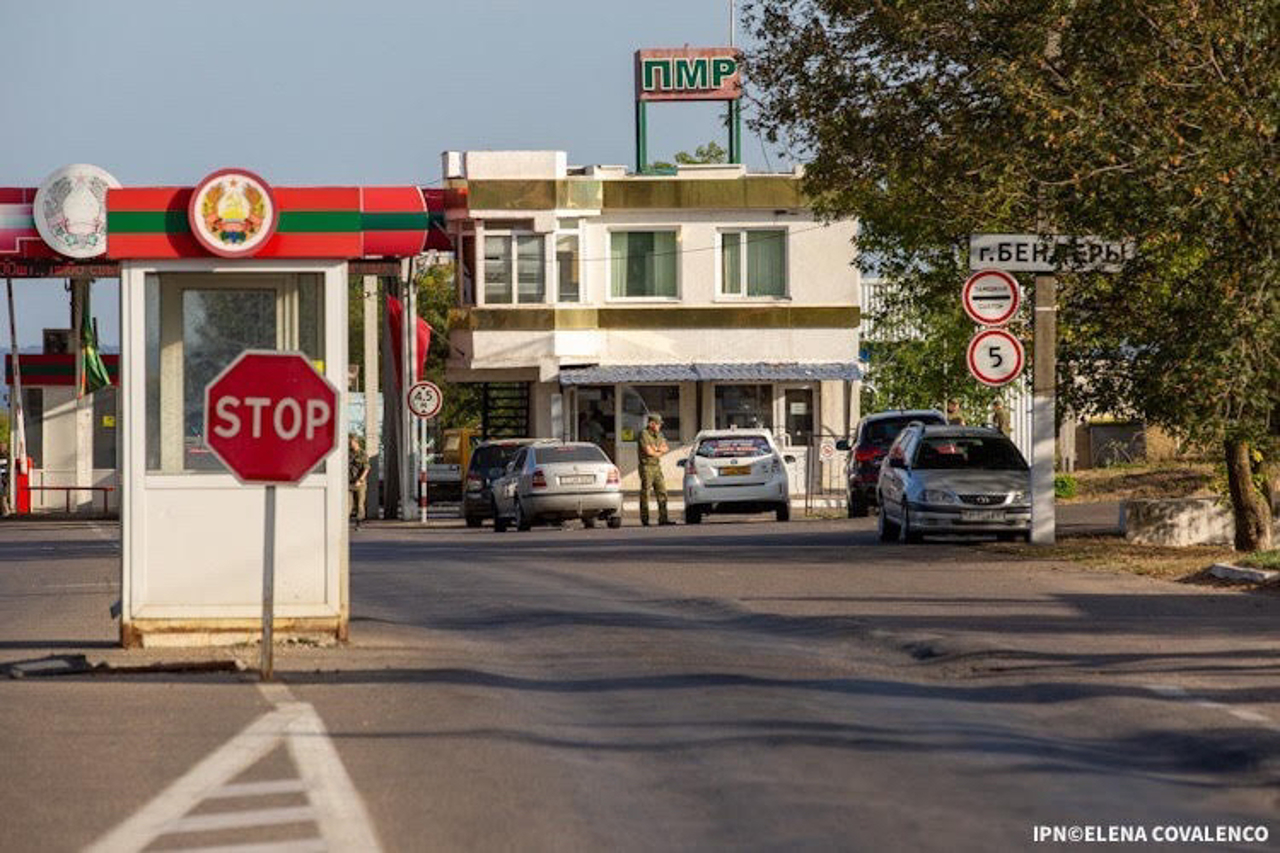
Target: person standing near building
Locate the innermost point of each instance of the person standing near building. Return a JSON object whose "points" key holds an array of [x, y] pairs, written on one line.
{"points": [[954, 415], [1000, 417], [651, 446], [357, 478]]}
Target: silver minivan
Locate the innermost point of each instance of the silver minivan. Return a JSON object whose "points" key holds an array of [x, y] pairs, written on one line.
{"points": [[953, 479]]}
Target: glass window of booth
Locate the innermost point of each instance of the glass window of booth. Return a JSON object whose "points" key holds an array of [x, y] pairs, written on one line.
{"points": [[197, 324], [640, 401], [596, 422]]}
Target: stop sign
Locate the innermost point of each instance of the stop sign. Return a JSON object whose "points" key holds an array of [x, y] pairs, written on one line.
{"points": [[270, 417]]}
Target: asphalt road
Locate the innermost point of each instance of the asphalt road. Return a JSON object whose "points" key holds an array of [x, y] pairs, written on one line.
{"points": [[740, 685]]}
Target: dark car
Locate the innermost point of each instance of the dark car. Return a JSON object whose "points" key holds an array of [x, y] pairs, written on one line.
{"points": [[488, 462], [867, 449]]}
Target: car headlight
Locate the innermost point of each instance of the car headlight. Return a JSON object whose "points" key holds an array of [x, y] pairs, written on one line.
{"points": [[1018, 498], [939, 496]]}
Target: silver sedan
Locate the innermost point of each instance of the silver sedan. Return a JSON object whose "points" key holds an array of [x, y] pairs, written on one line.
{"points": [[557, 481]]}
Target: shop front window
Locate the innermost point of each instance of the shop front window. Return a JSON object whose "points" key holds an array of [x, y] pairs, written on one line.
{"points": [[799, 409], [595, 417], [640, 401], [744, 407]]}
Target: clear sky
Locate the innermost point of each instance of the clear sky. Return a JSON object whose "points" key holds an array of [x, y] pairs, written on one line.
{"points": [[367, 92]]}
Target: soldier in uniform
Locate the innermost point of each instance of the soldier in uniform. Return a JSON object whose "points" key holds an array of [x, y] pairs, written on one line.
{"points": [[954, 415], [1000, 417], [357, 479], [651, 446]]}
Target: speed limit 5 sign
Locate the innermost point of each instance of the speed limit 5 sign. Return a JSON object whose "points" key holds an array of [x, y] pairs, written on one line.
{"points": [[995, 357]]}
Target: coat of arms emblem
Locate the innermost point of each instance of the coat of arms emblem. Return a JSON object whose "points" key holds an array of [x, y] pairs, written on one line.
{"points": [[232, 213], [70, 210]]}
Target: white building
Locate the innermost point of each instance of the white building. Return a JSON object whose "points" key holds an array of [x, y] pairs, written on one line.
{"points": [[711, 296]]}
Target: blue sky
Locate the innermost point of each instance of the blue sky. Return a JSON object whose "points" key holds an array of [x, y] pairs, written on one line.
{"points": [[328, 93]]}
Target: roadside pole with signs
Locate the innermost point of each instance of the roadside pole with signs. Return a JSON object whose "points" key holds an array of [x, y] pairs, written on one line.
{"points": [[271, 418], [1044, 255], [424, 402]]}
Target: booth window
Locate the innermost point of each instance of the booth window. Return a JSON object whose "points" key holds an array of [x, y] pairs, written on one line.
{"points": [[642, 264], [753, 263], [33, 415], [518, 258], [744, 406], [197, 324], [596, 421]]}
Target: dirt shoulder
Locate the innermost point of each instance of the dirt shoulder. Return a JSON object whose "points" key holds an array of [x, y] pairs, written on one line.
{"points": [[1138, 482]]}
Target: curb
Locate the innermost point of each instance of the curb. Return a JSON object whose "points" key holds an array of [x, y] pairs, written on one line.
{"points": [[1240, 573]]}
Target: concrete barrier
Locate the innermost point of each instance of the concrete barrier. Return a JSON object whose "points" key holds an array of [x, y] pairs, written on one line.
{"points": [[1178, 522]]}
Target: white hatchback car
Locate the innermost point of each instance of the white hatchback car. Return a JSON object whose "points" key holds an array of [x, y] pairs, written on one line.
{"points": [[734, 471]]}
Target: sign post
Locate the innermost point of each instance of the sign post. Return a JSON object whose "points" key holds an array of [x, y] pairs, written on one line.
{"points": [[423, 401], [271, 419]]}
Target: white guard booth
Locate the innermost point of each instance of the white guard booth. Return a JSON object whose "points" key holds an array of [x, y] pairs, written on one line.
{"points": [[192, 534]]}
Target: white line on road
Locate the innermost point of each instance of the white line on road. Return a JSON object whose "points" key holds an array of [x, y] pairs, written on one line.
{"points": [[304, 845], [334, 804], [1172, 691]]}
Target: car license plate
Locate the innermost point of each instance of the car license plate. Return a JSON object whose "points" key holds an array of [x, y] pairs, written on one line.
{"points": [[982, 515], [577, 480], [735, 471]]}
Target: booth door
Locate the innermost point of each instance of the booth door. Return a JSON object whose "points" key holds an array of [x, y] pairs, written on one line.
{"points": [[202, 531]]}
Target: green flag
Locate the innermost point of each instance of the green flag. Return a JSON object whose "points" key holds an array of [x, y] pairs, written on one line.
{"points": [[94, 374]]}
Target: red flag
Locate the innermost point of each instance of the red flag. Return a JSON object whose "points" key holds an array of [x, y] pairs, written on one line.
{"points": [[395, 314]]}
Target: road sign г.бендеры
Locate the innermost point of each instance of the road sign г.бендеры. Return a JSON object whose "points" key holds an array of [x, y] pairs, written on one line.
{"points": [[995, 357], [991, 297]]}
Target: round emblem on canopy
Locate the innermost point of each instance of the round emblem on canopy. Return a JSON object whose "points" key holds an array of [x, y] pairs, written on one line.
{"points": [[70, 210], [233, 213]]}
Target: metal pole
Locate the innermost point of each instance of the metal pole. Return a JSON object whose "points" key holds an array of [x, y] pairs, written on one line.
{"points": [[642, 137], [1044, 399], [18, 433], [372, 436], [408, 366], [268, 584]]}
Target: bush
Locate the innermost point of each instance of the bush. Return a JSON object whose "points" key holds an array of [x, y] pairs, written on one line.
{"points": [[1064, 486], [1269, 560]]}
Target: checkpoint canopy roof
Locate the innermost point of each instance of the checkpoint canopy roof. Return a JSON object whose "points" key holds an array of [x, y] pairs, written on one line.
{"points": [[81, 220], [718, 372]]}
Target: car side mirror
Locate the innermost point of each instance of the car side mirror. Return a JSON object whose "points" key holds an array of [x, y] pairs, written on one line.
{"points": [[682, 463], [842, 444], [789, 459]]}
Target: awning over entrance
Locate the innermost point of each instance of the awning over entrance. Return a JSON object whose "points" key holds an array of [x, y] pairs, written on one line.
{"points": [[720, 372]]}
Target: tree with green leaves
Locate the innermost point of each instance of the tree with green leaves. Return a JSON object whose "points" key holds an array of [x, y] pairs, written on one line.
{"points": [[1146, 121], [712, 152]]}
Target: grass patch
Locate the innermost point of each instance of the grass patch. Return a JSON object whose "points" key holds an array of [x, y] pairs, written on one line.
{"points": [[1269, 560]]}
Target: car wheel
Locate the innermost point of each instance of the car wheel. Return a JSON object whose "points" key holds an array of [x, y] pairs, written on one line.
{"points": [[522, 519], [858, 506], [474, 521], [783, 512], [887, 529], [614, 522], [693, 515], [499, 524], [848, 505], [588, 521], [906, 535]]}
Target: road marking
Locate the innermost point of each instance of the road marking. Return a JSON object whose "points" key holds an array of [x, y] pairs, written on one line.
{"points": [[1172, 691], [1251, 716], [334, 805], [305, 845]]}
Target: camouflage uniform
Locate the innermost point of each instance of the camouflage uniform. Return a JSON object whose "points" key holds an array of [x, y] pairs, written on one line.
{"points": [[651, 473], [1000, 419]]}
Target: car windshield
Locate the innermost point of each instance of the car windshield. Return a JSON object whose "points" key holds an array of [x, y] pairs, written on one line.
{"points": [[570, 453], [995, 453], [493, 456], [737, 445], [882, 433]]}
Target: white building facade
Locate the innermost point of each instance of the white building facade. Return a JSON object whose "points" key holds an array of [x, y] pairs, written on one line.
{"points": [[710, 296]]}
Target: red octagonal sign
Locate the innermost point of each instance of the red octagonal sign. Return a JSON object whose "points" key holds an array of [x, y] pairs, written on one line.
{"points": [[270, 417]]}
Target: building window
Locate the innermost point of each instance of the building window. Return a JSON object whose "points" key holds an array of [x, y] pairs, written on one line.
{"points": [[642, 264], [517, 258], [640, 401], [596, 422], [568, 285], [744, 406], [753, 263]]}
